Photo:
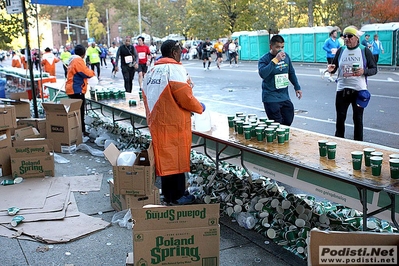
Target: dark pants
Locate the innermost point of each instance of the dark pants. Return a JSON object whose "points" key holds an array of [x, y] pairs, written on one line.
{"points": [[65, 70], [173, 187], [103, 61], [376, 57], [82, 108], [342, 101], [97, 65], [128, 76], [281, 112]]}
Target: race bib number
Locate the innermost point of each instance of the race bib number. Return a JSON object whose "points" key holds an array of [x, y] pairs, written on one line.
{"points": [[281, 81], [142, 55], [128, 59], [334, 50], [347, 71]]}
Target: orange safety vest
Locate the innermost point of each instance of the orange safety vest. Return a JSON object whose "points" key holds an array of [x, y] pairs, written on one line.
{"points": [[16, 61], [169, 101], [48, 62]]}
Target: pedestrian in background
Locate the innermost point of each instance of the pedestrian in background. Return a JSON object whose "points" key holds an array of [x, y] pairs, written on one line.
{"points": [[16, 60], [276, 70], [103, 55], [376, 48], [219, 52], [354, 64], [144, 54], [93, 55], [206, 53], [77, 78], [366, 42], [65, 56], [169, 102], [331, 46], [129, 63], [48, 61], [112, 55]]}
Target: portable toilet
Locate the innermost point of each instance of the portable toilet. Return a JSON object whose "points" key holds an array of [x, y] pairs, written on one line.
{"points": [[259, 44], [308, 44], [286, 34], [388, 36], [321, 34]]}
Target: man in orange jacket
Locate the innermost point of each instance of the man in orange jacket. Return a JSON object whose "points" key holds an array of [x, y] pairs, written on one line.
{"points": [[48, 61], [16, 60], [77, 75], [169, 101]]}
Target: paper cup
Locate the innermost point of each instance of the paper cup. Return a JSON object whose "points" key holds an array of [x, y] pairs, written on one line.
{"points": [[375, 163], [323, 147], [367, 154], [331, 150], [357, 160], [394, 168]]}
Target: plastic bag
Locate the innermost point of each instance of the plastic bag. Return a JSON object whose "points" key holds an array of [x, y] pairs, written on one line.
{"points": [[94, 152], [123, 218], [60, 159], [246, 220]]}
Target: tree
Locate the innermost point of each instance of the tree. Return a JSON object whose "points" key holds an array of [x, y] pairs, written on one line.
{"points": [[96, 29], [384, 11], [12, 26]]}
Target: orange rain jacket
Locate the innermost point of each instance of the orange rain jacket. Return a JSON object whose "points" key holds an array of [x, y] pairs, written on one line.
{"points": [[16, 61], [48, 62], [169, 101], [77, 76]]}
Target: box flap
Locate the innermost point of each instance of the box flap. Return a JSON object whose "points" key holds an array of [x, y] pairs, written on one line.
{"points": [[26, 132], [36, 141], [111, 153], [73, 104], [187, 216], [20, 96], [54, 107]]}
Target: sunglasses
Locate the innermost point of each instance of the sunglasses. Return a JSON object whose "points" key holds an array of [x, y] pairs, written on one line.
{"points": [[349, 36]]}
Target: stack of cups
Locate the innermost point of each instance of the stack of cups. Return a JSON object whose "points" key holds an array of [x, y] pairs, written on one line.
{"points": [[394, 165]]}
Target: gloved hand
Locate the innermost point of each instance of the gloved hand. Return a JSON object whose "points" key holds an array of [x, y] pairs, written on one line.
{"points": [[203, 107]]}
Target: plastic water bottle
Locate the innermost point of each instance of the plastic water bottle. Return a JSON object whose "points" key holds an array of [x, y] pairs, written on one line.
{"points": [[126, 158]]}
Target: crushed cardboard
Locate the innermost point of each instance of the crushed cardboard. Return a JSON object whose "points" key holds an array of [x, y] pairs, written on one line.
{"points": [[56, 218]]}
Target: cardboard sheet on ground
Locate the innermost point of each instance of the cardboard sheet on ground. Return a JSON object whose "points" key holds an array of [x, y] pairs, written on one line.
{"points": [[61, 231], [30, 194], [82, 183]]}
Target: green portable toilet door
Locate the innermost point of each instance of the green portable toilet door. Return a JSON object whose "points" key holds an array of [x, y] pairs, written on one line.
{"points": [[308, 47], [295, 45], [245, 50], [320, 39]]}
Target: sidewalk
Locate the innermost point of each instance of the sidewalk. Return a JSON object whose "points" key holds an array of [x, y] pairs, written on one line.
{"points": [[110, 246]]}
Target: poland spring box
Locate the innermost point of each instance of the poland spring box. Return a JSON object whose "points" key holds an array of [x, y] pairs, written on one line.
{"points": [[176, 235], [63, 124]]}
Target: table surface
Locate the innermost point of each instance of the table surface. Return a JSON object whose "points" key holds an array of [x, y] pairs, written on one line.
{"points": [[301, 149]]}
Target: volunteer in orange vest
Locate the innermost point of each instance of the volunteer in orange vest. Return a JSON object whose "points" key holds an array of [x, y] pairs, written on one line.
{"points": [[169, 101], [77, 77], [16, 60], [48, 61], [24, 63]]}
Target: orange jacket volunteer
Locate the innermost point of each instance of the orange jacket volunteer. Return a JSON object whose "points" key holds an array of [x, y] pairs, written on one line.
{"points": [[77, 76], [48, 62], [169, 101]]}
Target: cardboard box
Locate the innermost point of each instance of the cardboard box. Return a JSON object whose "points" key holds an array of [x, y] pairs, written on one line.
{"points": [[5, 145], [32, 158], [118, 202], [137, 202], [354, 248], [174, 235], [21, 103], [38, 123], [8, 117], [26, 133], [63, 124], [138, 179]]}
